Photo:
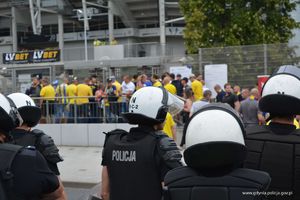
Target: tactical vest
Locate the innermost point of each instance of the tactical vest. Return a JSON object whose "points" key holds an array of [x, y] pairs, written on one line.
{"points": [[7, 155], [277, 154], [43, 143], [241, 184], [132, 167]]}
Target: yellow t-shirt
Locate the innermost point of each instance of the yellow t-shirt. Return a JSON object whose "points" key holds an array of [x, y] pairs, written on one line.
{"points": [[72, 92], [157, 84], [119, 90], [82, 91], [169, 123], [61, 93], [48, 92], [197, 88], [170, 88]]}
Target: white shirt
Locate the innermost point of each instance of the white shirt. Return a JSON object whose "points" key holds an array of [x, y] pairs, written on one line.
{"points": [[197, 106], [127, 88]]}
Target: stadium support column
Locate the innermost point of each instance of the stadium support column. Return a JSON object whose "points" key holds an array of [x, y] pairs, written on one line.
{"points": [[86, 28], [162, 27], [110, 21], [14, 29], [61, 36]]}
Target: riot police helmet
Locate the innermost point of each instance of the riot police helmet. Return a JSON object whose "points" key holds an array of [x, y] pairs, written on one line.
{"points": [[9, 115], [281, 93], [149, 106], [215, 139], [30, 113]]}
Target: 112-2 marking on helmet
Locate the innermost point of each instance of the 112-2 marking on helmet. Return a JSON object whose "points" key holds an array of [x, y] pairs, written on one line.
{"points": [[133, 105], [28, 103]]}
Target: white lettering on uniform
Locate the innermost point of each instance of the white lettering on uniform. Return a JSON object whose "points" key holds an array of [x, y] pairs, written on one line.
{"points": [[123, 156]]}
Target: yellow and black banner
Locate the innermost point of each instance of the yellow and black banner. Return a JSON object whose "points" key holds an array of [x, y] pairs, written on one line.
{"points": [[36, 56]]}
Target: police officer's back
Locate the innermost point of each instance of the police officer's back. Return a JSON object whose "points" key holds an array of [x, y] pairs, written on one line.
{"points": [[24, 173], [24, 135], [214, 155], [135, 163], [276, 148]]}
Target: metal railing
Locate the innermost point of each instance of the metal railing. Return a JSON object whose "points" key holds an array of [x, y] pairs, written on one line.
{"points": [[70, 110]]}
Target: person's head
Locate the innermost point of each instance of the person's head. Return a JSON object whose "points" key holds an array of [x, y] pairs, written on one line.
{"points": [[100, 86], [45, 81], [35, 80], [126, 79], [9, 117], [192, 77], [75, 81], [218, 88], [172, 76], [207, 95], [200, 78], [86, 81], [166, 80], [113, 78], [220, 144], [178, 77], [144, 78], [109, 82], [280, 94], [94, 79], [135, 77], [236, 89], [30, 113], [66, 80], [245, 93], [184, 81], [255, 93], [228, 88], [149, 106], [154, 78], [188, 93]]}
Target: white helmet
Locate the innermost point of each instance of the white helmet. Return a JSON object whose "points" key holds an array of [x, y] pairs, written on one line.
{"points": [[149, 106], [30, 113], [215, 138], [281, 93], [9, 115]]}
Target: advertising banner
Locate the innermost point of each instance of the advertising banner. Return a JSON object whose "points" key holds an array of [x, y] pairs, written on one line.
{"points": [[36, 56]]}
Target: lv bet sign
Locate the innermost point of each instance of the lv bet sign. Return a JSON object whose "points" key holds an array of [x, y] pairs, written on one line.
{"points": [[37, 56]]}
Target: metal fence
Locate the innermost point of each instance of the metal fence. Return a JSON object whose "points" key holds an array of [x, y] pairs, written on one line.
{"points": [[102, 111], [245, 63]]}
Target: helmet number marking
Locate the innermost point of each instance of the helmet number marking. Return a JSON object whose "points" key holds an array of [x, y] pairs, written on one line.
{"points": [[28, 103]]}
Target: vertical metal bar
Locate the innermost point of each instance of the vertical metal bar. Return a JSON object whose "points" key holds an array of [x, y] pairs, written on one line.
{"points": [[75, 112], [110, 21], [265, 59], [14, 29], [47, 111], [162, 26], [85, 28], [61, 36], [200, 62]]}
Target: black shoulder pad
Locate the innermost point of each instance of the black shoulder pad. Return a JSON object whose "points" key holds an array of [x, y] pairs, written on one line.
{"points": [[168, 150], [250, 130], [116, 132], [37, 132], [46, 146]]}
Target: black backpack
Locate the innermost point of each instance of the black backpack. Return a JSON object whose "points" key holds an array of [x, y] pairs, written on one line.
{"points": [[8, 153]]}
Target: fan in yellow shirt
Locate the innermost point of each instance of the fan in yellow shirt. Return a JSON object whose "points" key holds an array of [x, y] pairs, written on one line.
{"points": [[197, 87], [170, 127], [155, 81], [84, 91], [168, 86]]}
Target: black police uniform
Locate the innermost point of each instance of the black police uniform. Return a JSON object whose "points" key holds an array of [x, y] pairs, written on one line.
{"points": [[43, 143], [276, 150], [30, 176], [137, 162], [240, 184]]}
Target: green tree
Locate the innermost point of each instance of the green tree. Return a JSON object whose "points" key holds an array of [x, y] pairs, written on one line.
{"points": [[211, 23]]}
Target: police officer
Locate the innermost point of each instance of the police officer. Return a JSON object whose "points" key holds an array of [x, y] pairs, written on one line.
{"points": [[214, 156], [135, 163], [276, 148], [24, 135], [24, 172]]}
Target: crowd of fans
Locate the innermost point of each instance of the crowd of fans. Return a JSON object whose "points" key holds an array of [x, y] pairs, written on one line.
{"points": [[92, 101]]}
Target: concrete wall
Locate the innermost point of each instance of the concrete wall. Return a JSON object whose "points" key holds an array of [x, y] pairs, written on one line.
{"points": [[80, 134]]}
